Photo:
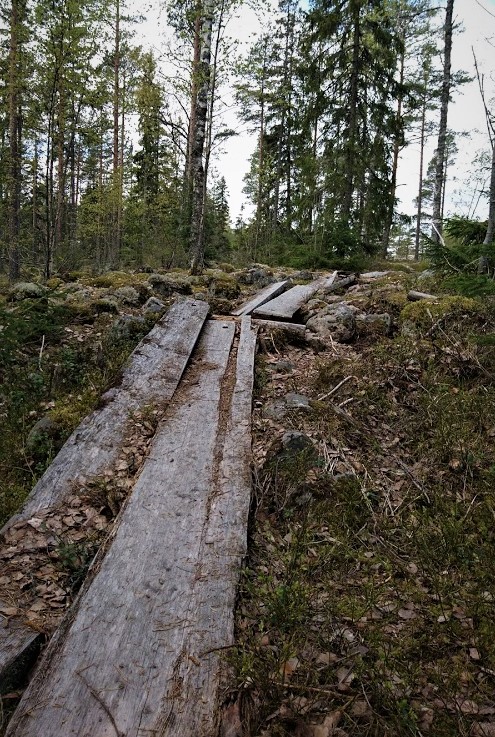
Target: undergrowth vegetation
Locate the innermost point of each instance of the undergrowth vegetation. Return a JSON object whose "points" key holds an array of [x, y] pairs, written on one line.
{"points": [[55, 362], [368, 597]]}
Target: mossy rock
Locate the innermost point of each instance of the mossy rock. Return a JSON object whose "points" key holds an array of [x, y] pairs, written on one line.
{"points": [[82, 311], [106, 304], [115, 280], [228, 268], [128, 295], [167, 284], [223, 286], [27, 290], [44, 438], [423, 312], [55, 282], [220, 305]]}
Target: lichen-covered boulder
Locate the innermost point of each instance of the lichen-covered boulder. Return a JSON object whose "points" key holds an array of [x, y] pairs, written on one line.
{"points": [[336, 322], [129, 326], [374, 324], [27, 290], [302, 276], [223, 286], [256, 276], [153, 306], [44, 437], [167, 284], [127, 296]]}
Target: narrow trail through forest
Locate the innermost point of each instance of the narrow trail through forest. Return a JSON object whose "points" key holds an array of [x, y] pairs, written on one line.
{"points": [[160, 638]]}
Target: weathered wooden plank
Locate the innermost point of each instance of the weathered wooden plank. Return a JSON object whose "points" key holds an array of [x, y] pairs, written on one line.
{"points": [[414, 296], [152, 375], [20, 646], [292, 329], [266, 294], [340, 284], [141, 654], [287, 304]]}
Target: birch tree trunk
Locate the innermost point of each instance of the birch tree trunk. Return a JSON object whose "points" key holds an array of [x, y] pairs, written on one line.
{"points": [[419, 214], [198, 141], [490, 230], [442, 131], [352, 120]]}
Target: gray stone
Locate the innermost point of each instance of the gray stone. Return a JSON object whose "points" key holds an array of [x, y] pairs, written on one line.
{"points": [[408, 330], [313, 306], [275, 410], [297, 401], [370, 275], [283, 367], [294, 442], [43, 436], [337, 322], [374, 324], [303, 276], [128, 326], [224, 287], [127, 295], [426, 275], [166, 284], [153, 306], [79, 294], [27, 290], [256, 276]]}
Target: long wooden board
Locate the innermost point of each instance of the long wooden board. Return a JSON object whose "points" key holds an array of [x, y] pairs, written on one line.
{"points": [[266, 294], [287, 304], [153, 373], [142, 655]]}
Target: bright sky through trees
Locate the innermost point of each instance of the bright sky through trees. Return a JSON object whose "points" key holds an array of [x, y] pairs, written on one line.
{"points": [[466, 114]]}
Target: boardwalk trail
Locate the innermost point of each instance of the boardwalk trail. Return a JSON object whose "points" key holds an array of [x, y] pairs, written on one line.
{"points": [[140, 651]]}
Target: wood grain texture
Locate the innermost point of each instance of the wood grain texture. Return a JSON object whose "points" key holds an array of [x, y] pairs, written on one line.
{"points": [[142, 655], [292, 329], [287, 304], [152, 375], [266, 294]]}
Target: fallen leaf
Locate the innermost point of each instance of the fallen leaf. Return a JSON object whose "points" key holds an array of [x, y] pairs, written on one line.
{"points": [[289, 667], [9, 611], [328, 727], [482, 729], [407, 614]]}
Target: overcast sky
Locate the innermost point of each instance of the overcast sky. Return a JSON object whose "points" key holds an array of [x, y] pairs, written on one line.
{"points": [[466, 114]]}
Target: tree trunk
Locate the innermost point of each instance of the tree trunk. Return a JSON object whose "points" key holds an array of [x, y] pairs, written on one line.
{"points": [[195, 73], [490, 230], [442, 131], [116, 140], [14, 144], [419, 213], [200, 116], [395, 156], [352, 119]]}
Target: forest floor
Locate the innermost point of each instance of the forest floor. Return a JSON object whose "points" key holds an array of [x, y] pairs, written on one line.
{"points": [[367, 602]]}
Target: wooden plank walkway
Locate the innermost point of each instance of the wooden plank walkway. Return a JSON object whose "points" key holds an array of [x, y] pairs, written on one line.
{"points": [[142, 654], [287, 304], [266, 294], [152, 375]]}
